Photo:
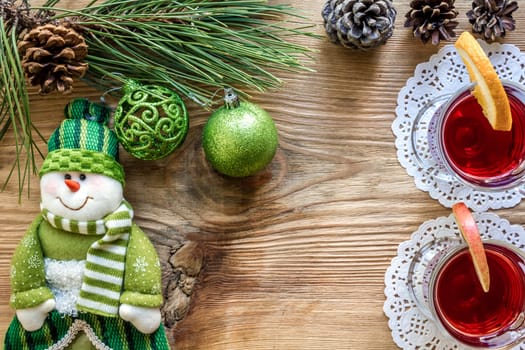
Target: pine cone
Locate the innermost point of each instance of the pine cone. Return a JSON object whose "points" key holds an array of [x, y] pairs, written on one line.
{"points": [[492, 18], [432, 20], [52, 57], [359, 24]]}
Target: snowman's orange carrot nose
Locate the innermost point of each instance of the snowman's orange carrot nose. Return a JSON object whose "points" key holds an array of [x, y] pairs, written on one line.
{"points": [[73, 185]]}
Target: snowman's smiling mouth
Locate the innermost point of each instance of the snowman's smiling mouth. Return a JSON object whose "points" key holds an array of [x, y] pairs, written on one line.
{"points": [[75, 209]]}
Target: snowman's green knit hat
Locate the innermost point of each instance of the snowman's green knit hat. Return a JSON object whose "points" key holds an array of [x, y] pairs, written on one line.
{"points": [[84, 142]]}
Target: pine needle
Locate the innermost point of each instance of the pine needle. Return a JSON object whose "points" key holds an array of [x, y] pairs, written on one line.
{"points": [[14, 109]]}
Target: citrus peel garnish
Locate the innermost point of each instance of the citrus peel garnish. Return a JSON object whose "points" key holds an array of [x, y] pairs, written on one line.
{"points": [[470, 233], [489, 90]]}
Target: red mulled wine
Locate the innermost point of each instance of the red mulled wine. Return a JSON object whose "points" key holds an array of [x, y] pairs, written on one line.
{"points": [[468, 313], [476, 152]]}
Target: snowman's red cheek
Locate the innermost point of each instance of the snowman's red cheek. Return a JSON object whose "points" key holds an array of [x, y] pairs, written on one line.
{"points": [[100, 185], [96, 181], [50, 188]]}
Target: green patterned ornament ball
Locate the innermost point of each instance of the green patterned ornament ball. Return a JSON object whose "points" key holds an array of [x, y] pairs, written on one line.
{"points": [[240, 138], [151, 121]]}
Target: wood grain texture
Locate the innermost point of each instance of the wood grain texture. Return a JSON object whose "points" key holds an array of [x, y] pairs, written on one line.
{"points": [[294, 257]]}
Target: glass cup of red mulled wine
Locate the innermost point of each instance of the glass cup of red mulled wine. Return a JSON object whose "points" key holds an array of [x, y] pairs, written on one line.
{"points": [[450, 293], [463, 142]]}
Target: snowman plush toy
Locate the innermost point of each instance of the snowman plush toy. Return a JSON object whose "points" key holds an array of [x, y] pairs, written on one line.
{"points": [[84, 276]]}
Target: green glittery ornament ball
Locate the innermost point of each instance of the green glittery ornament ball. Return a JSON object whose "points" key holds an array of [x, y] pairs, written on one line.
{"points": [[150, 121], [240, 138]]}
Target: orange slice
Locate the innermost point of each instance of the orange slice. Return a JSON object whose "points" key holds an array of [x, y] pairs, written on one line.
{"points": [[470, 233], [489, 90]]}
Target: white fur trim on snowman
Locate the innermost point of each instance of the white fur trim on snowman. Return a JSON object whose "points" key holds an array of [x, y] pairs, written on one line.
{"points": [[64, 278]]}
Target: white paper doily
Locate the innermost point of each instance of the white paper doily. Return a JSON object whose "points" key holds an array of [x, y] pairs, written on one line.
{"points": [[411, 328], [443, 74]]}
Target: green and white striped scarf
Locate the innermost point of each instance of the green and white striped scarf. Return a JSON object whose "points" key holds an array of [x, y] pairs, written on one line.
{"points": [[105, 261]]}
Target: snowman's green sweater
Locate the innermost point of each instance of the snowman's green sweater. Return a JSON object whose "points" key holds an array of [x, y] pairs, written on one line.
{"points": [[142, 278]]}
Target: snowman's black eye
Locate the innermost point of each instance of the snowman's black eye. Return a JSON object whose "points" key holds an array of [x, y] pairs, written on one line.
{"points": [[82, 177], [67, 176]]}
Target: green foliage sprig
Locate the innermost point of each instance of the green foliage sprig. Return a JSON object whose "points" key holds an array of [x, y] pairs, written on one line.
{"points": [[14, 103], [193, 47]]}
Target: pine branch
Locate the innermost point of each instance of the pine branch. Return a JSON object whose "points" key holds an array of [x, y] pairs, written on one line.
{"points": [[14, 108], [193, 47]]}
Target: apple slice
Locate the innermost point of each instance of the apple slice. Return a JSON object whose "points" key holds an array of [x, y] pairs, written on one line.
{"points": [[470, 233]]}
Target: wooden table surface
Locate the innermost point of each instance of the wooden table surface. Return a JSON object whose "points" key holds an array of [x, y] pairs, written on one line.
{"points": [[294, 257]]}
